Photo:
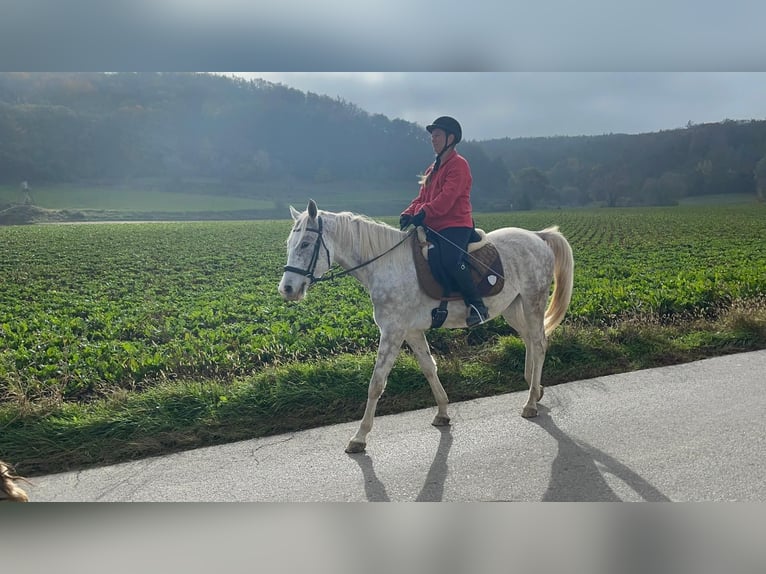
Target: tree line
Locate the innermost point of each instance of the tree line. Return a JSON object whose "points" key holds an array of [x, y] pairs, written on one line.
{"points": [[658, 168], [178, 127]]}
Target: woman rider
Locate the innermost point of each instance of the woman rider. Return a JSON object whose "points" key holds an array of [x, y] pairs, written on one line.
{"points": [[443, 205]]}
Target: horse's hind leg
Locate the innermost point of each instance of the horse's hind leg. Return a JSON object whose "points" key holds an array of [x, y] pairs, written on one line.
{"points": [[419, 345], [528, 322], [533, 370], [389, 348], [536, 345]]}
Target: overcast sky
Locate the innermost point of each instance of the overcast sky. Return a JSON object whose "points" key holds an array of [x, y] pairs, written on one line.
{"points": [[384, 35], [520, 104], [504, 68]]}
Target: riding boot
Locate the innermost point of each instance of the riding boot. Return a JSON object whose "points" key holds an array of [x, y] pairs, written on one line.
{"points": [[477, 311], [438, 271]]}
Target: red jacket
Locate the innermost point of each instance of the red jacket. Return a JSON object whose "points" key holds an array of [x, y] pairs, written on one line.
{"points": [[446, 198]]}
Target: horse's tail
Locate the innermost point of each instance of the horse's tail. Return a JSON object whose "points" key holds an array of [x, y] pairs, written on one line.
{"points": [[563, 275]]}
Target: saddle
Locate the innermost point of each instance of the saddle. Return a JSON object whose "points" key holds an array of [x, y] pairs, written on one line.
{"points": [[483, 259]]}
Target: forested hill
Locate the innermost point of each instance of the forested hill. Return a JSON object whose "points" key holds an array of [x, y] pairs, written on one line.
{"points": [[75, 127], [180, 128], [652, 168]]}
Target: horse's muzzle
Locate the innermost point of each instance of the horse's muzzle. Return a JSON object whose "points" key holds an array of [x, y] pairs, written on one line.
{"points": [[292, 292]]}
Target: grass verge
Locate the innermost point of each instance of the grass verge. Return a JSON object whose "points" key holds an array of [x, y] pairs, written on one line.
{"points": [[47, 438]]}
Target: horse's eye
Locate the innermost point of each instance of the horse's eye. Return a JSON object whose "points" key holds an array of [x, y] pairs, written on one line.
{"points": [[304, 244]]}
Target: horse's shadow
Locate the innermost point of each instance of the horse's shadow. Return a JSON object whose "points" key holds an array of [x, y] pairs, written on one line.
{"points": [[433, 487], [575, 473], [373, 488]]}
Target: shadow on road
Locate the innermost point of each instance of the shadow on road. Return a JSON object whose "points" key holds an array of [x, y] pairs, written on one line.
{"points": [[373, 488], [575, 474], [433, 487]]}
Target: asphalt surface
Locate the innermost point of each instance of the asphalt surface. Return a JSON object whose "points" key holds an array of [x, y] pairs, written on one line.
{"points": [[693, 432]]}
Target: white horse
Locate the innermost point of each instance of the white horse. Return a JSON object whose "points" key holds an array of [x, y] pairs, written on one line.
{"points": [[371, 252]]}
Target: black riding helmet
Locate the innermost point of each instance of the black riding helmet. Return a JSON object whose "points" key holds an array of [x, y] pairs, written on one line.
{"points": [[449, 125]]}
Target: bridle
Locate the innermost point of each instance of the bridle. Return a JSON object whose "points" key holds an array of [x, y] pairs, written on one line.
{"points": [[315, 257]]}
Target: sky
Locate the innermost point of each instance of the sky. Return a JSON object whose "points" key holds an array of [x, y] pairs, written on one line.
{"points": [[532, 104], [503, 68], [383, 35]]}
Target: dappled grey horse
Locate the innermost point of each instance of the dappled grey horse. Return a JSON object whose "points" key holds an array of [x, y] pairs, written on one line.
{"points": [[369, 251]]}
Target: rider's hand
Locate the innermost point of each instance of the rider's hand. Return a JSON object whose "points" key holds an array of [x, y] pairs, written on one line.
{"points": [[404, 220], [419, 218]]}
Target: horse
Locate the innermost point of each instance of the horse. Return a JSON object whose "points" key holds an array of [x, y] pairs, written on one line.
{"points": [[370, 251]]}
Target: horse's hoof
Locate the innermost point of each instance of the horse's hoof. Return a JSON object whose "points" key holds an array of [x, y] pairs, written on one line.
{"points": [[529, 412], [440, 421], [355, 447]]}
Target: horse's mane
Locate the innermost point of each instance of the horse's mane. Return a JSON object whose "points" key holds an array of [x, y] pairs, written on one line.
{"points": [[376, 238]]}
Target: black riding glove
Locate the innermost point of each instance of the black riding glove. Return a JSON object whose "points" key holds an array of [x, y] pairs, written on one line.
{"points": [[419, 218], [404, 220]]}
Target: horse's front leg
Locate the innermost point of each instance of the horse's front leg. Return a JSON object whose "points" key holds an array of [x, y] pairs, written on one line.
{"points": [[419, 345], [390, 345]]}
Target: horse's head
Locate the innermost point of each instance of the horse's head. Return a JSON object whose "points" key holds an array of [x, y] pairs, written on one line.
{"points": [[308, 254]]}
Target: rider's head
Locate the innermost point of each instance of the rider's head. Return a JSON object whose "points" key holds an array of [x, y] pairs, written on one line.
{"points": [[445, 127]]}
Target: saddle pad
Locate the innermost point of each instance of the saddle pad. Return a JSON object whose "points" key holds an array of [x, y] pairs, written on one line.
{"points": [[486, 270]]}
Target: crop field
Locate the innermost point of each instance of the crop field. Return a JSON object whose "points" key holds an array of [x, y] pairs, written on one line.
{"points": [[116, 199], [88, 309], [192, 196]]}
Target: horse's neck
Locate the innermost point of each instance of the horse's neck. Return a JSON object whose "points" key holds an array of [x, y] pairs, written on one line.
{"points": [[358, 241]]}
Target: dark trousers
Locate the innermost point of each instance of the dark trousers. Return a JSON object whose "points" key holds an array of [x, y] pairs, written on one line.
{"points": [[447, 261]]}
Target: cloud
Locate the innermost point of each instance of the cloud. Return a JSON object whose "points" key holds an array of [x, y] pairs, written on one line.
{"points": [[504, 104], [343, 35], [93, 35], [503, 68]]}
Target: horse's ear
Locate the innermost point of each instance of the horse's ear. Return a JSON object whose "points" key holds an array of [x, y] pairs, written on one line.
{"points": [[312, 209], [294, 213]]}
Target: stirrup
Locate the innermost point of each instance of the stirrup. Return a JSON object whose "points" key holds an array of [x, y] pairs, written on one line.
{"points": [[476, 315]]}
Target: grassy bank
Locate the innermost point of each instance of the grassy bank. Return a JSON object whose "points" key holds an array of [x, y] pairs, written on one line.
{"points": [[43, 438]]}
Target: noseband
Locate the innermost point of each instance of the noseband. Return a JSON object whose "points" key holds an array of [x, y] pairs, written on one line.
{"points": [[314, 256]]}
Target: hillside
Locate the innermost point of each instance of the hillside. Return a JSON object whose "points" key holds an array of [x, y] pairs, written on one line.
{"points": [[213, 136]]}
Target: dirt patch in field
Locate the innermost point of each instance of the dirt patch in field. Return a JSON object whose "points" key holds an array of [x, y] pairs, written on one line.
{"points": [[26, 214]]}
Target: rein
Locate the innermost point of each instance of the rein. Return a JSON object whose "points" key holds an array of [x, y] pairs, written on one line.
{"points": [[332, 276]]}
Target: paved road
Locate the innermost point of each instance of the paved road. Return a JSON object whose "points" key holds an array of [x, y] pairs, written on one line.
{"points": [[693, 432]]}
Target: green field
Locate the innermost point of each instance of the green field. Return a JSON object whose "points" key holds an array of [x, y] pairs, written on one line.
{"points": [[208, 197], [131, 199], [97, 321]]}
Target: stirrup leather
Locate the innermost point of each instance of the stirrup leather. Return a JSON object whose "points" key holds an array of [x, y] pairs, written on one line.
{"points": [[476, 316]]}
